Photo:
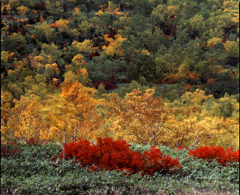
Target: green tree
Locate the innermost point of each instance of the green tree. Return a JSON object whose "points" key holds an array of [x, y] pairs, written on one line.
{"points": [[142, 65], [43, 32]]}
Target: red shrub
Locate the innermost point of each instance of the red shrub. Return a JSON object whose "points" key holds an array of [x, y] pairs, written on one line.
{"points": [[64, 43], [216, 153], [111, 35], [210, 81], [9, 149], [12, 143], [116, 155]]}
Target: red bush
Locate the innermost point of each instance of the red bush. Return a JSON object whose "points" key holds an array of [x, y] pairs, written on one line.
{"points": [[9, 149], [216, 153], [116, 155]]}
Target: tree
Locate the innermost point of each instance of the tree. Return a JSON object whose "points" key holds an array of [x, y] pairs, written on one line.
{"points": [[85, 46], [142, 65], [138, 117], [25, 121], [61, 115], [82, 98], [114, 47], [103, 69], [6, 105], [16, 42], [43, 32], [51, 54]]}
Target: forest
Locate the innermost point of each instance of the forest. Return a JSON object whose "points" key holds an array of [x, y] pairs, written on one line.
{"points": [[162, 73]]}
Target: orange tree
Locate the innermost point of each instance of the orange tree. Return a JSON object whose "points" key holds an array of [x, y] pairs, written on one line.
{"points": [[83, 98]]}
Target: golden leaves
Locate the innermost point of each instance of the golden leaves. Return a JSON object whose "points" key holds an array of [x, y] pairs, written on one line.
{"points": [[78, 60], [114, 46], [5, 56], [83, 99], [214, 41], [99, 13], [85, 46], [139, 116], [61, 23], [53, 66], [25, 120]]}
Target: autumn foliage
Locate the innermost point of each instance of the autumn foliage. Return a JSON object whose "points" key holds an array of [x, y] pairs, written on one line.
{"points": [[116, 155], [68, 71], [223, 156]]}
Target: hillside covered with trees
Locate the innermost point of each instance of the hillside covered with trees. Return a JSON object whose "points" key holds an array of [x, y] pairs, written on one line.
{"points": [[151, 71], [147, 88]]}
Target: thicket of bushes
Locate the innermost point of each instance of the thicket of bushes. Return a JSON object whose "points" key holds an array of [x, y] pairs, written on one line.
{"points": [[32, 171]]}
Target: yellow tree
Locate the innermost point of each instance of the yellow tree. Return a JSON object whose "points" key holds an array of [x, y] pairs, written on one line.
{"points": [[114, 46], [138, 117], [85, 46], [6, 105], [25, 120], [61, 115], [202, 120], [89, 118]]}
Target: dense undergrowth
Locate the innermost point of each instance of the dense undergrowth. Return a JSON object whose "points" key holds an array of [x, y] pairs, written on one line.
{"points": [[32, 171], [149, 71]]}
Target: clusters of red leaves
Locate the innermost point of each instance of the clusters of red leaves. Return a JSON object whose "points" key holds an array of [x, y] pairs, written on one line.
{"points": [[9, 149], [193, 75], [187, 87], [116, 155], [216, 153], [93, 54]]}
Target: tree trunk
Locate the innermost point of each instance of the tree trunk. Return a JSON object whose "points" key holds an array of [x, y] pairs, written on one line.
{"points": [[64, 142]]}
